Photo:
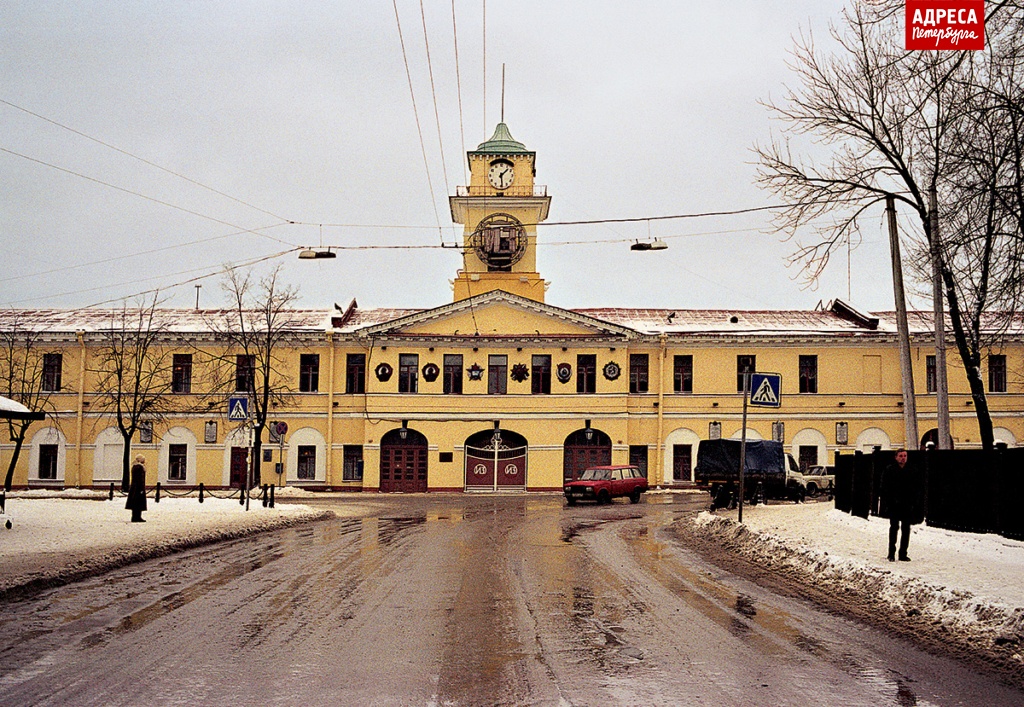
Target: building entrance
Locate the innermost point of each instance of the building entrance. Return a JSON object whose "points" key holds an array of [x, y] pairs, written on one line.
{"points": [[496, 461], [403, 462], [585, 448]]}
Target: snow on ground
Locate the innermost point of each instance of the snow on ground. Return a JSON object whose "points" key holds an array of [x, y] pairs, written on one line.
{"points": [[58, 537], [971, 584]]}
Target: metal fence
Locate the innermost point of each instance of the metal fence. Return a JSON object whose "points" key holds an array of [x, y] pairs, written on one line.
{"points": [[966, 490]]}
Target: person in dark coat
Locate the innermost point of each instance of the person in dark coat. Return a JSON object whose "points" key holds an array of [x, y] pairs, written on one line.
{"points": [[137, 490], [901, 491]]}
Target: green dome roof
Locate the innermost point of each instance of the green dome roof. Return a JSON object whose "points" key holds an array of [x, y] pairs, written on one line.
{"points": [[502, 143]]}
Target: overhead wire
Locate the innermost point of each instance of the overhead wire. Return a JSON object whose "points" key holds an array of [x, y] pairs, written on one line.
{"points": [[140, 159], [458, 87], [126, 256], [416, 114], [147, 198], [433, 93]]}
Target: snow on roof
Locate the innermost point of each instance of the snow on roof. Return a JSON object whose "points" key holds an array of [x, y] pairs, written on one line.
{"points": [[838, 320], [8, 405]]}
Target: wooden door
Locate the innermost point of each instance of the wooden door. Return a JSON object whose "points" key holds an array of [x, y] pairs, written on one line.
{"points": [[239, 466]]}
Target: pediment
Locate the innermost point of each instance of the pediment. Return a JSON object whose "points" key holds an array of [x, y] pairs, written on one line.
{"points": [[498, 314]]}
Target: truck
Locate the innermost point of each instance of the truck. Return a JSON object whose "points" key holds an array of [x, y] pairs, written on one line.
{"points": [[769, 471]]}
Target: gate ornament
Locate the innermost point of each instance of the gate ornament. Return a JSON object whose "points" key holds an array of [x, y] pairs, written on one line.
{"points": [[563, 372], [612, 370], [431, 372], [383, 372], [520, 372], [511, 470], [475, 372]]}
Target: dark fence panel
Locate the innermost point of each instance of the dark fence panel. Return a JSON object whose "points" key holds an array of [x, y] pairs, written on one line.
{"points": [[966, 490], [844, 481], [1010, 494]]}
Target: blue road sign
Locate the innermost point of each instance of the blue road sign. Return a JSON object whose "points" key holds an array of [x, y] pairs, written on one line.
{"points": [[766, 389], [238, 408]]}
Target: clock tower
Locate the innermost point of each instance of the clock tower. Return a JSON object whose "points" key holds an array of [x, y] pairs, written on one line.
{"points": [[500, 209]]}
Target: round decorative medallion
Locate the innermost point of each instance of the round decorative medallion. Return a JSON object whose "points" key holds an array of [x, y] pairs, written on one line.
{"points": [[612, 370], [431, 372], [563, 372], [383, 372], [499, 240], [520, 372]]}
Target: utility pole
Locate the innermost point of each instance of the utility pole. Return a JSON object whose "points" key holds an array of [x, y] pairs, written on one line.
{"points": [[939, 309], [906, 371]]}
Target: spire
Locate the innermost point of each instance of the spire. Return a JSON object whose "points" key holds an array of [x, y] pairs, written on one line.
{"points": [[502, 143]]}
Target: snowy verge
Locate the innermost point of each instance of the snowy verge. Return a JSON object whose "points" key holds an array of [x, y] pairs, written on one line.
{"points": [[983, 623], [58, 540]]}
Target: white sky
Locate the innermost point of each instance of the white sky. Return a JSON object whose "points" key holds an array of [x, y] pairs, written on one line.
{"points": [[302, 110]]}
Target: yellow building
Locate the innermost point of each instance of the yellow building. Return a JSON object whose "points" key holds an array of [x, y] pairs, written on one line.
{"points": [[498, 390]]}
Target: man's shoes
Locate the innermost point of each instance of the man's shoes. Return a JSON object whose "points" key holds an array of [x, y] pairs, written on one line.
{"points": [[904, 558], [892, 558]]}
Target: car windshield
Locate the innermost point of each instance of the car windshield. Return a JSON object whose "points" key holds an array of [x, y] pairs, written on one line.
{"points": [[596, 475]]}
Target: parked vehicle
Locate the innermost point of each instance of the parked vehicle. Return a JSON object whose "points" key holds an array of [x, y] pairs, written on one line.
{"points": [[603, 483], [820, 479], [769, 472]]}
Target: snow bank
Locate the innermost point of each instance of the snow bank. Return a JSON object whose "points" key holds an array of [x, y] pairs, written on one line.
{"points": [[56, 538], [965, 585]]}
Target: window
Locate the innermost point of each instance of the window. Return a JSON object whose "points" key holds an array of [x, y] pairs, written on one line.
{"points": [[541, 375], [682, 461], [682, 380], [808, 374], [181, 373], [177, 462], [52, 364], [744, 363], [352, 463], [638, 457], [306, 468], [930, 374], [309, 373], [639, 372], [996, 373], [408, 373], [497, 374], [808, 456], [245, 373], [453, 374], [586, 373], [355, 373], [48, 460]]}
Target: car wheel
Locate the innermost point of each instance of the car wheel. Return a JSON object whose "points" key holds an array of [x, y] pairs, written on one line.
{"points": [[570, 501], [812, 490], [603, 497], [635, 497]]}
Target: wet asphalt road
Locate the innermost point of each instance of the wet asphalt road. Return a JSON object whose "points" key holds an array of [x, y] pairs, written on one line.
{"points": [[458, 600]]}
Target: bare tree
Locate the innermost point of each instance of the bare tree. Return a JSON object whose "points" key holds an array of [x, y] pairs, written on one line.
{"points": [[24, 377], [133, 373], [905, 123], [250, 335]]}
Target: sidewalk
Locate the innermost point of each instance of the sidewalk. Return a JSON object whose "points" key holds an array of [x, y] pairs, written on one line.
{"points": [[971, 585], [60, 537]]}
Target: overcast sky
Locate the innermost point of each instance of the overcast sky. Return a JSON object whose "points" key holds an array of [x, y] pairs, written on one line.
{"points": [[277, 112]]}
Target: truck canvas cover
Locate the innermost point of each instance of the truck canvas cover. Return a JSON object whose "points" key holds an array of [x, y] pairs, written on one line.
{"points": [[718, 460]]}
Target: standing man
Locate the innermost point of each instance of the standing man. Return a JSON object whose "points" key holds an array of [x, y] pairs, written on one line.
{"points": [[901, 491], [137, 490]]}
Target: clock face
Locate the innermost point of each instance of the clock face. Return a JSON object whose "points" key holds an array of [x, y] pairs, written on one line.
{"points": [[500, 175]]}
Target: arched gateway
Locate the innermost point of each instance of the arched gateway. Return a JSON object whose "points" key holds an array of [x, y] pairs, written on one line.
{"points": [[496, 461], [403, 461], [585, 448]]}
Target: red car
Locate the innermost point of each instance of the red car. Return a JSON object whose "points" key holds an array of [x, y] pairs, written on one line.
{"points": [[603, 483]]}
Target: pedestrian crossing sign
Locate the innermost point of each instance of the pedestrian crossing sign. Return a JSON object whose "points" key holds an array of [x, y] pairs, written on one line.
{"points": [[766, 389], [238, 408]]}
